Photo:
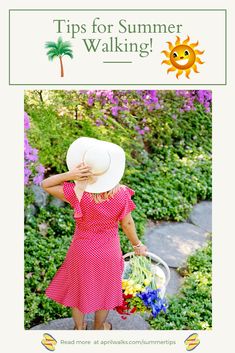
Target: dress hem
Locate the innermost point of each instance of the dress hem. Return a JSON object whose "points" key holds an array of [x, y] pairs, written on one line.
{"points": [[84, 312]]}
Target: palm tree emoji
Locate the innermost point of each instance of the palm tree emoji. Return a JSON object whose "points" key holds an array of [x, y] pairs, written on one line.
{"points": [[59, 49]]}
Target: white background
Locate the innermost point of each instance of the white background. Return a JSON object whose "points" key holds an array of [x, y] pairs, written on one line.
{"points": [[14, 337], [30, 65]]}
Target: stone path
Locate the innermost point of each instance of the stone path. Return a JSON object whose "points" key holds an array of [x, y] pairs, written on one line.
{"points": [[201, 215], [173, 242], [134, 322]]}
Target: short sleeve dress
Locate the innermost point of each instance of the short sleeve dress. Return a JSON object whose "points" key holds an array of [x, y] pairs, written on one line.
{"points": [[90, 277]]}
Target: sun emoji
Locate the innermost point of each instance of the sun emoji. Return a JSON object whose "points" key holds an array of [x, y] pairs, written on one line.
{"points": [[182, 57]]}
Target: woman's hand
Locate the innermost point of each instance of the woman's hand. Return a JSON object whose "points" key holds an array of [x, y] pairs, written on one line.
{"points": [[141, 250], [80, 173], [81, 184]]}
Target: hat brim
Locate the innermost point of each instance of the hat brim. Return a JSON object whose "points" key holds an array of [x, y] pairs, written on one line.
{"points": [[116, 169]]}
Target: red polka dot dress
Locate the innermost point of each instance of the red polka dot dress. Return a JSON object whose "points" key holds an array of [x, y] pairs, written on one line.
{"points": [[90, 278]]}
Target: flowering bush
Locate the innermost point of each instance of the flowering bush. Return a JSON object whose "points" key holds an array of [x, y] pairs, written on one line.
{"points": [[203, 97], [33, 170], [142, 289], [127, 106], [167, 145]]}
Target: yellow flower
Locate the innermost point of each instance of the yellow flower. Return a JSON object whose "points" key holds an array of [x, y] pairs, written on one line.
{"points": [[124, 284], [137, 287], [146, 282]]}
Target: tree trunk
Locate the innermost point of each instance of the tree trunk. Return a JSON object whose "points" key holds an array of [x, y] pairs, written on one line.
{"points": [[61, 67], [40, 96]]}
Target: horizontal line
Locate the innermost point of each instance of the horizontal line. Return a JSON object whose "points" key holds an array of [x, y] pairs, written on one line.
{"points": [[55, 9], [117, 62], [117, 84]]}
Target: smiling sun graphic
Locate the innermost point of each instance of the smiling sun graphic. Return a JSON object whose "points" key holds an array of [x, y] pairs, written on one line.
{"points": [[182, 57]]}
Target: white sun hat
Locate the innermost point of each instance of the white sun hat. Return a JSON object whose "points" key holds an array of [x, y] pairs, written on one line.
{"points": [[106, 159]]}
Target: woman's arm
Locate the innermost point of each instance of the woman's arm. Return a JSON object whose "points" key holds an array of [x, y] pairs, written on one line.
{"points": [[54, 184], [128, 227]]}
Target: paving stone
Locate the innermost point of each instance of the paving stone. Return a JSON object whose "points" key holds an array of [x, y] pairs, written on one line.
{"points": [[175, 282], [133, 322], [40, 196], [201, 215], [57, 202], [174, 241]]}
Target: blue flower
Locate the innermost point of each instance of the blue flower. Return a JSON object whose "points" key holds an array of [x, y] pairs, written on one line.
{"points": [[152, 300]]}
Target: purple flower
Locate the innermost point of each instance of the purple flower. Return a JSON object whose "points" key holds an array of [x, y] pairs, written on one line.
{"points": [[40, 169], [141, 132], [98, 122], [204, 97], [32, 170], [27, 173], [26, 121], [152, 300], [90, 101], [37, 179], [114, 111]]}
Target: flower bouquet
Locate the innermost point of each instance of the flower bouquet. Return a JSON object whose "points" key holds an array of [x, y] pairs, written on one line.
{"points": [[143, 286]]}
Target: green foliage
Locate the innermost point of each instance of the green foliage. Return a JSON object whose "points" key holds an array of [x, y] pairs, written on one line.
{"points": [[201, 261], [168, 189], [28, 197], [169, 168], [58, 48], [139, 305], [52, 136], [191, 308], [47, 239]]}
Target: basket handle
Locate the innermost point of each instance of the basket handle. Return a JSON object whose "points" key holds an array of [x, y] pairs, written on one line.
{"points": [[156, 258]]}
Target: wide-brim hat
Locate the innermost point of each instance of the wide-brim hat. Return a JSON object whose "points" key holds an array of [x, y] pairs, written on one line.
{"points": [[106, 159]]}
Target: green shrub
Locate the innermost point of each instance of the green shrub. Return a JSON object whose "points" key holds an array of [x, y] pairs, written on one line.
{"points": [[169, 168], [168, 189], [47, 239], [52, 135], [191, 309]]}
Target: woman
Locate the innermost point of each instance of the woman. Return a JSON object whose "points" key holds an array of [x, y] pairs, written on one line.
{"points": [[90, 278]]}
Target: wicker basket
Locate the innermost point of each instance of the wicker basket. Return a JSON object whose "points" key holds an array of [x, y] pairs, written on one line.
{"points": [[158, 267]]}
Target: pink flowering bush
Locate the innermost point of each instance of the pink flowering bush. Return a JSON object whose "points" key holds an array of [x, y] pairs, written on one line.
{"points": [[33, 170], [125, 104], [166, 136], [204, 97]]}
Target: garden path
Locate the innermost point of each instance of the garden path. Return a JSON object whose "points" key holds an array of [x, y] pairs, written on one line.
{"points": [[173, 242]]}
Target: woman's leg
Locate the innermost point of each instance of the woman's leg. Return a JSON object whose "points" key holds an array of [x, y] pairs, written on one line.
{"points": [[78, 318], [100, 317]]}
